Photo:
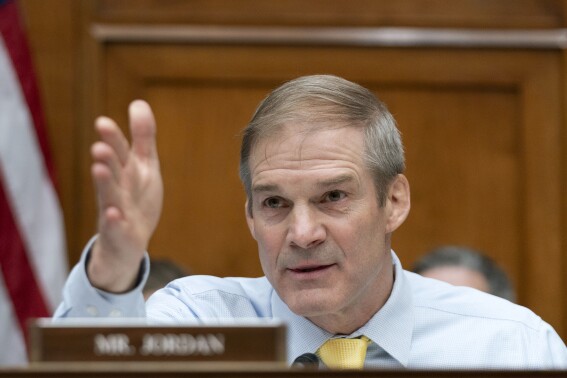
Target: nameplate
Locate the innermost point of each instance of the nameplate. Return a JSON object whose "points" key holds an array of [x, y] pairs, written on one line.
{"points": [[135, 341]]}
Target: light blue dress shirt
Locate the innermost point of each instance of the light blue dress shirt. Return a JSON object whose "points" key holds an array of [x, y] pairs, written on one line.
{"points": [[425, 324]]}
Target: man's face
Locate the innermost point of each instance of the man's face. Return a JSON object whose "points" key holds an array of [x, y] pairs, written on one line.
{"points": [[323, 239]]}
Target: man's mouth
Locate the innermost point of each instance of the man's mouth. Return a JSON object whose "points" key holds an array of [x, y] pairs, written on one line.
{"points": [[308, 269]]}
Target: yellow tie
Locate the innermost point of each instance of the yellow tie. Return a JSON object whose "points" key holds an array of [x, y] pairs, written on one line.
{"points": [[344, 353]]}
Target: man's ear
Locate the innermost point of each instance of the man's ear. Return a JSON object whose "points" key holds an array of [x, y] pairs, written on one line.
{"points": [[249, 218], [397, 203]]}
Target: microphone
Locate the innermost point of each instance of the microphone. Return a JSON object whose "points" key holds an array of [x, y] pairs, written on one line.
{"points": [[306, 361]]}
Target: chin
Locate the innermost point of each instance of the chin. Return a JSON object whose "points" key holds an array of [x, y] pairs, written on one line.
{"points": [[308, 305]]}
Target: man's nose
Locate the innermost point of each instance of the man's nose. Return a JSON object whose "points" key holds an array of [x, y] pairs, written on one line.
{"points": [[305, 229]]}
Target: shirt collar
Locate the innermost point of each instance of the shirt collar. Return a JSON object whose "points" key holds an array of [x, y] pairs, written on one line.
{"points": [[391, 327]]}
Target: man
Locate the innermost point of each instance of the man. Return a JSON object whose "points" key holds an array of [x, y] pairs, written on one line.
{"points": [[461, 266], [322, 163]]}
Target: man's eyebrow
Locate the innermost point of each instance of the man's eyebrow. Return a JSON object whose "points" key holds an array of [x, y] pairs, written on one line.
{"points": [[264, 188], [341, 179]]}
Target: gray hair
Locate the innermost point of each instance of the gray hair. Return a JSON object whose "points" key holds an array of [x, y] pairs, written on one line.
{"points": [[497, 279], [317, 99]]}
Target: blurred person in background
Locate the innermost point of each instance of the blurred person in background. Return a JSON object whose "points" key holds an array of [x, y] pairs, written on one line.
{"points": [[461, 266], [162, 272]]}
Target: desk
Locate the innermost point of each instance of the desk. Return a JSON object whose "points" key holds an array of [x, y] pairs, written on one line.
{"points": [[239, 370]]}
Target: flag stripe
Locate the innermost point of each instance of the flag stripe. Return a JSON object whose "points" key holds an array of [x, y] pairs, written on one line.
{"points": [[10, 333], [16, 43], [26, 297]]}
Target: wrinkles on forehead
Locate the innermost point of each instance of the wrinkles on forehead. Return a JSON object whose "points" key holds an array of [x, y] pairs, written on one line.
{"points": [[274, 138]]}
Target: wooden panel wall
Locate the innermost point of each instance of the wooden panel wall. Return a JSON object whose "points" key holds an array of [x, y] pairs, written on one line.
{"points": [[483, 127]]}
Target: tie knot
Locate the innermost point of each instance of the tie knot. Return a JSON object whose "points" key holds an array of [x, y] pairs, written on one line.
{"points": [[344, 353]]}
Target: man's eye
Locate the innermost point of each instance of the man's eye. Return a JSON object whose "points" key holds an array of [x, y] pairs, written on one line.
{"points": [[335, 195], [273, 202]]}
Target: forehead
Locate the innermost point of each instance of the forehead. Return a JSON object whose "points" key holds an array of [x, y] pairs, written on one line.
{"points": [[299, 148]]}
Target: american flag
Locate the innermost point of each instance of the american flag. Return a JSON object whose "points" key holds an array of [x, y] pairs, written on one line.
{"points": [[33, 261]]}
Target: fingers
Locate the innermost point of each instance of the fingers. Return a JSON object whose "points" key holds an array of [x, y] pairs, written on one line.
{"points": [[112, 154], [117, 165], [111, 134], [108, 191], [143, 130], [109, 157], [104, 154]]}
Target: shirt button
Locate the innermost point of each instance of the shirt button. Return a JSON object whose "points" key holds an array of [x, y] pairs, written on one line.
{"points": [[92, 310], [115, 313]]}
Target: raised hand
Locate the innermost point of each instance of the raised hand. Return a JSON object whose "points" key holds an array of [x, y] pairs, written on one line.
{"points": [[130, 195]]}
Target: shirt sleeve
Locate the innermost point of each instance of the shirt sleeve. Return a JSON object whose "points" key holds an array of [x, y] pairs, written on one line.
{"points": [[556, 352], [81, 299]]}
